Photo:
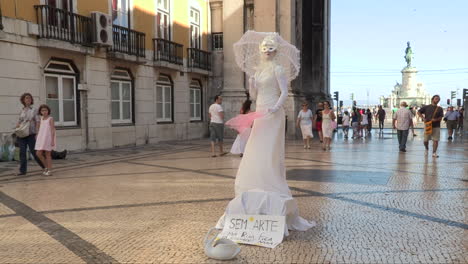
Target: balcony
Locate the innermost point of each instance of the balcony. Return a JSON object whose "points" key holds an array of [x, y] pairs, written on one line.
{"points": [[128, 41], [168, 51], [60, 24], [199, 59]]}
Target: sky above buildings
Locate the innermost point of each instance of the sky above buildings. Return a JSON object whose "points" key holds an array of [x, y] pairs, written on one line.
{"points": [[368, 41]]}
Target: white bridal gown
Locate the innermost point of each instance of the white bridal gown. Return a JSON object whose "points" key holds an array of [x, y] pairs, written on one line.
{"points": [[262, 169]]}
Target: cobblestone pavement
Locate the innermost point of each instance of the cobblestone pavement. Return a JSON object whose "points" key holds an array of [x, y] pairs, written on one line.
{"points": [[153, 204]]}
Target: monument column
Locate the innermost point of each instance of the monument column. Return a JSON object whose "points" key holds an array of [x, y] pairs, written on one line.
{"points": [[265, 15], [216, 8], [233, 92], [409, 82]]}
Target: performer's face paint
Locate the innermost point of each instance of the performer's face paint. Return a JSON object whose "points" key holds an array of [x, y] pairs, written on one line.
{"points": [[268, 47]]}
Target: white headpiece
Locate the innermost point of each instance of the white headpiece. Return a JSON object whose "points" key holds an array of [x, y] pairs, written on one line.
{"points": [[249, 48], [269, 43]]}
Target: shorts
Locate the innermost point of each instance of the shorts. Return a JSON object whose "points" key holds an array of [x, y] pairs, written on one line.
{"points": [[452, 124], [435, 136], [216, 132], [318, 125]]}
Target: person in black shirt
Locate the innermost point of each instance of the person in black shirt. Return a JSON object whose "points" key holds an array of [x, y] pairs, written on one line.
{"points": [[433, 113], [381, 116]]}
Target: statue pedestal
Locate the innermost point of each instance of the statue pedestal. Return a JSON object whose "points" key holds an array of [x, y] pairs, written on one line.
{"points": [[409, 85]]}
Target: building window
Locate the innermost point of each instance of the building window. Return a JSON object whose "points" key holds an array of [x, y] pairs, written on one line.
{"points": [[1, 25], [163, 20], [56, 17], [195, 101], [121, 13], [217, 39], [60, 4], [249, 12], [61, 94], [121, 97], [195, 40], [164, 99]]}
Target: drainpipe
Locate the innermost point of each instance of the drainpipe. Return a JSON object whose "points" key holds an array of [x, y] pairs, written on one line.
{"points": [[84, 102]]}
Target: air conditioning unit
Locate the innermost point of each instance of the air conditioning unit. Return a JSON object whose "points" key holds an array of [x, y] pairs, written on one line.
{"points": [[102, 29]]}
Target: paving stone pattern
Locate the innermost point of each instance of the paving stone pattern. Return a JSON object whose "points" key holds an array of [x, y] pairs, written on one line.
{"points": [[153, 204]]}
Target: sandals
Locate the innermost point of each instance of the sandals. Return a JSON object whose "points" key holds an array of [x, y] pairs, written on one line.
{"points": [[222, 154]]}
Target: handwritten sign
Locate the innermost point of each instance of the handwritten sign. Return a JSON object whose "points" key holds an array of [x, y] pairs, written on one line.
{"points": [[259, 230]]}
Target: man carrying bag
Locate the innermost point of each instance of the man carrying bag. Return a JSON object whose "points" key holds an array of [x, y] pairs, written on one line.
{"points": [[433, 114]]}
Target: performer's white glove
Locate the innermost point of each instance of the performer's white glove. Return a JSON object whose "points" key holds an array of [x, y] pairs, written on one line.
{"points": [[273, 110]]}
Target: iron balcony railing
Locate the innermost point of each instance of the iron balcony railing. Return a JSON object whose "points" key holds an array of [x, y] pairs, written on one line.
{"points": [[60, 24], [128, 41], [165, 50], [217, 40], [199, 59]]}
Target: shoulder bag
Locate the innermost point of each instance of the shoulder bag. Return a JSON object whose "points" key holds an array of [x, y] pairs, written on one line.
{"points": [[428, 124], [22, 130]]}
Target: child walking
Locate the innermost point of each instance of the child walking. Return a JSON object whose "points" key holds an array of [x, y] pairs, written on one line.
{"points": [[45, 141], [238, 146]]}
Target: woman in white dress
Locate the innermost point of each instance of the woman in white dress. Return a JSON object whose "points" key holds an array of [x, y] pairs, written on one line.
{"points": [[238, 146], [365, 123], [304, 121], [346, 124], [327, 125], [263, 166]]}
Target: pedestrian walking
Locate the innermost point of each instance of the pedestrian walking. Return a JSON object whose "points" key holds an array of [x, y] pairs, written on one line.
{"points": [[318, 120], [25, 131], [451, 119], [402, 121], [374, 114], [45, 142], [328, 117], [304, 121], [364, 124], [414, 121], [460, 120], [432, 115], [369, 121], [355, 122], [381, 117], [238, 146], [346, 124], [216, 114]]}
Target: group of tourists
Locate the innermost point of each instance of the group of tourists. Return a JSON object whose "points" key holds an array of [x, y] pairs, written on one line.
{"points": [[360, 120], [432, 115], [323, 121]]}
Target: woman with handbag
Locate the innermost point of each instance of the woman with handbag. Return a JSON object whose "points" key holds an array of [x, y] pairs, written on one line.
{"points": [[26, 132]]}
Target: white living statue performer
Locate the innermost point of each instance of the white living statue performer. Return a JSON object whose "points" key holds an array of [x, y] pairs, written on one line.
{"points": [[261, 177]]}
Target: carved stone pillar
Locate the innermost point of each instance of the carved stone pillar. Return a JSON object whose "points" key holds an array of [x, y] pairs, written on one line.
{"points": [[233, 91]]}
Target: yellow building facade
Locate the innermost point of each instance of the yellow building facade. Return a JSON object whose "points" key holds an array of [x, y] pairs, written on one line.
{"points": [[114, 72]]}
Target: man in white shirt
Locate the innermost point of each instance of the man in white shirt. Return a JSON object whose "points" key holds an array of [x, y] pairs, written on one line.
{"points": [[402, 121], [216, 114]]}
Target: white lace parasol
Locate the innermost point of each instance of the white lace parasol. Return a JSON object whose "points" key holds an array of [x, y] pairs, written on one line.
{"points": [[248, 55]]}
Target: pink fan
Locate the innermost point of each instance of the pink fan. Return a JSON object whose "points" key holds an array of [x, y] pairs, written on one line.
{"points": [[241, 122]]}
